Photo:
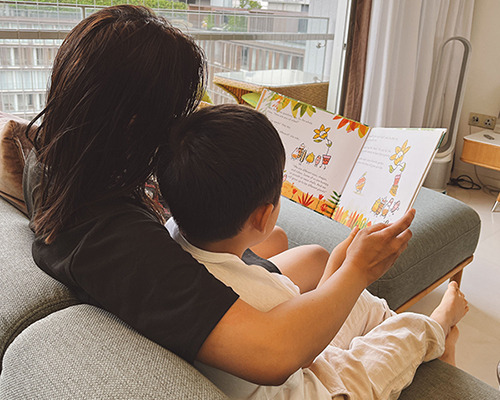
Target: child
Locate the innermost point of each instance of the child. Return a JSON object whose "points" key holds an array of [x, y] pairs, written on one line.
{"points": [[223, 185]]}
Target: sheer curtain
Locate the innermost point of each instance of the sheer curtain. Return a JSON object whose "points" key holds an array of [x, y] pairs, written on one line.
{"points": [[404, 38]]}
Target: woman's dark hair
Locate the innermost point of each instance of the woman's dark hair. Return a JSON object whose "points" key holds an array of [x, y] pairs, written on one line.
{"points": [[223, 163], [120, 79]]}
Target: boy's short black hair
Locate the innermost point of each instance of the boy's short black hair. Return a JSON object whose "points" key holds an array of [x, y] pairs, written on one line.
{"points": [[225, 162]]}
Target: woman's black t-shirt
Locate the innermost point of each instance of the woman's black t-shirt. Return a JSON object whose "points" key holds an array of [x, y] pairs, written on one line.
{"points": [[123, 260]]}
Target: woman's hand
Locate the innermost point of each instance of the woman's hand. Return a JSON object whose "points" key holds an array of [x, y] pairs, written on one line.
{"points": [[374, 250]]}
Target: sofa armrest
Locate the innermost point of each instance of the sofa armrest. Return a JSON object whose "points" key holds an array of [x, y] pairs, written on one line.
{"points": [[439, 380], [445, 233]]}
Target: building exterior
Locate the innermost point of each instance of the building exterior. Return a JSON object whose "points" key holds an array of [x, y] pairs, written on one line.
{"points": [[289, 5], [24, 73], [257, 39]]}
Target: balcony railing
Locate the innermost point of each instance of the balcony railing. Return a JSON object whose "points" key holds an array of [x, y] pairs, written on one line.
{"points": [[233, 40]]}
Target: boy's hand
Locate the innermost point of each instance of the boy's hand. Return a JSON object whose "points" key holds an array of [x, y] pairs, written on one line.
{"points": [[375, 249], [337, 256]]}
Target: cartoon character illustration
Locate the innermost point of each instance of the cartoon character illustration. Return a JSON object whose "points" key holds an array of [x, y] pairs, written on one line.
{"points": [[395, 207], [375, 205], [299, 153], [379, 205], [360, 184], [317, 161], [387, 208], [326, 159], [397, 158], [321, 135], [382, 207], [310, 158], [395, 185]]}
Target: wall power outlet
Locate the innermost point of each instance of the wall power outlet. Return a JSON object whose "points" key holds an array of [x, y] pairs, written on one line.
{"points": [[482, 120]]}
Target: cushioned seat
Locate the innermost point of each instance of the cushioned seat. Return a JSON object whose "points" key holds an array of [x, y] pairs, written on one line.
{"points": [[445, 233], [35, 294], [82, 352]]}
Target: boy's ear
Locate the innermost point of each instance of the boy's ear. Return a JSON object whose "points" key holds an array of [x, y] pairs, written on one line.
{"points": [[260, 216]]}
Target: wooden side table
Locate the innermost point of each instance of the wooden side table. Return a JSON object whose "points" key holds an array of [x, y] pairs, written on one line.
{"points": [[299, 85], [483, 149]]}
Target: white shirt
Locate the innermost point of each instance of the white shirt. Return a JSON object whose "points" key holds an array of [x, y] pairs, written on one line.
{"points": [[263, 290]]}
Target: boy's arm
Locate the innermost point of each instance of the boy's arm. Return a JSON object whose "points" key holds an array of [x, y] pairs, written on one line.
{"points": [[337, 257], [267, 347]]}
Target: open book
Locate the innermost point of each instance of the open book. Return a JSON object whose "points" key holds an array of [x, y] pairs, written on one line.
{"points": [[345, 170]]}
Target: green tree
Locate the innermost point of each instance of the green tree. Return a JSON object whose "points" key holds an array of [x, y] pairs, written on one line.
{"points": [[237, 23], [167, 4], [250, 4]]}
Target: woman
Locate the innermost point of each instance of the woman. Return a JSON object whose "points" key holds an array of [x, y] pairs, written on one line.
{"points": [[120, 80]]}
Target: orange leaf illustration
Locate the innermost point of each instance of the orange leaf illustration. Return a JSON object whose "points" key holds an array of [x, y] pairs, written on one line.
{"points": [[362, 130], [343, 123], [352, 126]]}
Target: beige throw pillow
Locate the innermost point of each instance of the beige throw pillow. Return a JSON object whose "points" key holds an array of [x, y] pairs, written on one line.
{"points": [[14, 148]]}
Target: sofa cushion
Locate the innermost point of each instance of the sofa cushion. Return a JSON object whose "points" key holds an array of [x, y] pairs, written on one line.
{"points": [[26, 293], [445, 232], [14, 147], [83, 352], [304, 226], [439, 380]]}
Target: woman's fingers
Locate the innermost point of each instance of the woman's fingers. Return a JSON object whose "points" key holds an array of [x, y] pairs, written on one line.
{"points": [[395, 228], [375, 249], [402, 224]]}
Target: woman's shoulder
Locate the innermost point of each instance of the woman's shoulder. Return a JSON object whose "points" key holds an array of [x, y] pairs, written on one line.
{"points": [[120, 220], [124, 260]]}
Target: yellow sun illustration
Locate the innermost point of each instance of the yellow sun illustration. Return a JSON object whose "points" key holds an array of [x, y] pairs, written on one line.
{"points": [[400, 153]]}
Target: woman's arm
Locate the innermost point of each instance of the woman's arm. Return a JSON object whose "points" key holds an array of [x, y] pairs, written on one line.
{"points": [[267, 347]]}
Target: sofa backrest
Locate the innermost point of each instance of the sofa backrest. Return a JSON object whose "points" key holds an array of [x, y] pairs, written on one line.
{"points": [[84, 352], [27, 294]]}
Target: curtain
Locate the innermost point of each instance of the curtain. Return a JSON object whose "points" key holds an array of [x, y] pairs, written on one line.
{"points": [[351, 102], [404, 38]]}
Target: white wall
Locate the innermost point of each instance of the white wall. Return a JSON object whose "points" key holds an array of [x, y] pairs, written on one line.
{"points": [[482, 94]]}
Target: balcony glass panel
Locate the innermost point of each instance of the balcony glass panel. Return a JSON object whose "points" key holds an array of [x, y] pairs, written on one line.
{"points": [[233, 39]]}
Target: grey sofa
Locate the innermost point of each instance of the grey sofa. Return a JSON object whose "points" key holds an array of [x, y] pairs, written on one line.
{"points": [[54, 347]]}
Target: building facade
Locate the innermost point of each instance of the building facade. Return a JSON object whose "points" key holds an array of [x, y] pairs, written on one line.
{"points": [[258, 40]]}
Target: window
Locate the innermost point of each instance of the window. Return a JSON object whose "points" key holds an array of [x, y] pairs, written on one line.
{"points": [[244, 58], [14, 59], [270, 39]]}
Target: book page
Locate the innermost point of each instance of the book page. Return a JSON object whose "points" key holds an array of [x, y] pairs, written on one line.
{"points": [[387, 176], [321, 149]]}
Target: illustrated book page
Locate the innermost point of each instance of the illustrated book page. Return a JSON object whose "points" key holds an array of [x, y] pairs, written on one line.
{"points": [[387, 175], [321, 150]]}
